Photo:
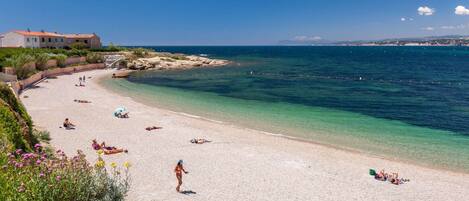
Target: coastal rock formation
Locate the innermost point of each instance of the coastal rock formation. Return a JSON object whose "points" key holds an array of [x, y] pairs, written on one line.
{"points": [[173, 61]]}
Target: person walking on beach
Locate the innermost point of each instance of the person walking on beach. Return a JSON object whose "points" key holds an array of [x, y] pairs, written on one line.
{"points": [[178, 170], [84, 78]]}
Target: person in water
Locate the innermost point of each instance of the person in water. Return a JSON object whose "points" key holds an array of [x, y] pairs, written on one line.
{"points": [[179, 169], [68, 125], [106, 149]]}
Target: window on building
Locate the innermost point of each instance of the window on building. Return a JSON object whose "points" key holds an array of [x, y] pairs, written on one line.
{"points": [[86, 41], [35, 39], [50, 40], [43, 39], [61, 40], [27, 39], [77, 41], [56, 40]]}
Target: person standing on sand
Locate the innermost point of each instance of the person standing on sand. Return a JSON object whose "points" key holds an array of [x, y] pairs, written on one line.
{"points": [[178, 170], [84, 78], [79, 80]]}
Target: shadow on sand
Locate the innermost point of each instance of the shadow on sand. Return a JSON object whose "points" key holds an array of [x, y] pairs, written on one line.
{"points": [[188, 192]]}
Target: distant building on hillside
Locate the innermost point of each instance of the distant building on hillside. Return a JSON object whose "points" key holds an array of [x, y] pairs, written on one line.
{"points": [[42, 39]]}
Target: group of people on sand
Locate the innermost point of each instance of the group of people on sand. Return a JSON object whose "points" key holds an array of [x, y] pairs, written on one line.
{"points": [[108, 150], [392, 177]]}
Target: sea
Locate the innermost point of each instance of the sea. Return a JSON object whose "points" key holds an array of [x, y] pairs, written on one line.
{"points": [[401, 103]]}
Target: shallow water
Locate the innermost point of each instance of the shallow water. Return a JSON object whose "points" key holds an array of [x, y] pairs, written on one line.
{"points": [[405, 103]]}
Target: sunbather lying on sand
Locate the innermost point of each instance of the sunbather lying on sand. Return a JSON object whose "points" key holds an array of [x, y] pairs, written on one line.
{"points": [[150, 128], [106, 149], [122, 115], [393, 177], [82, 101], [199, 141], [68, 125]]}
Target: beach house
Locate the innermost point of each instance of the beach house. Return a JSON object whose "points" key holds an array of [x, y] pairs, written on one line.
{"points": [[89, 40], [43, 39]]}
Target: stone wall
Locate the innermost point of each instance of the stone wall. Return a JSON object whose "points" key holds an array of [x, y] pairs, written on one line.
{"points": [[74, 60], [49, 64]]}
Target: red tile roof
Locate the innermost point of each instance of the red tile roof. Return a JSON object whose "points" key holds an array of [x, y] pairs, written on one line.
{"points": [[38, 33]]}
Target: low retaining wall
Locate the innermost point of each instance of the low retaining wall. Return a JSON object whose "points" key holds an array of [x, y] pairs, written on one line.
{"points": [[23, 84], [74, 60]]}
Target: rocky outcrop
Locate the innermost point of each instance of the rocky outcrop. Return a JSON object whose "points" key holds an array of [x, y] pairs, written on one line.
{"points": [[173, 61]]}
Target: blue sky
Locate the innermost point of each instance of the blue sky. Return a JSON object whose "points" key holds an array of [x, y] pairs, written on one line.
{"points": [[237, 22]]}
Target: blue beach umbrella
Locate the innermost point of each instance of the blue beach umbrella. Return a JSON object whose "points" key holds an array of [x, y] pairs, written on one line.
{"points": [[119, 110]]}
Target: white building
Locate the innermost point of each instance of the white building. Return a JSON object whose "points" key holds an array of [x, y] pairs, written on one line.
{"points": [[33, 39]]}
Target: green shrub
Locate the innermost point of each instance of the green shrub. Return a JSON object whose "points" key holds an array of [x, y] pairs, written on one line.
{"points": [[94, 57], [78, 45], [18, 61], [76, 52], [141, 52], [41, 60], [61, 58], [39, 176], [15, 123]]}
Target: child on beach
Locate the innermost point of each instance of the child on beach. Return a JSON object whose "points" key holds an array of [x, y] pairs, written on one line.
{"points": [[178, 170]]}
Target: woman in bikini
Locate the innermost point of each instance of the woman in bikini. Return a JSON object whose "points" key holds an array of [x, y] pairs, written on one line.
{"points": [[178, 170], [107, 150]]}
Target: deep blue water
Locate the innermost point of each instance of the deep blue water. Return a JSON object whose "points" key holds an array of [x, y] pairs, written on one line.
{"points": [[423, 86]]}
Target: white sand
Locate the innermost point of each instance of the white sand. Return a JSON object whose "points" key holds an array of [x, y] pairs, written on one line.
{"points": [[241, 164]]}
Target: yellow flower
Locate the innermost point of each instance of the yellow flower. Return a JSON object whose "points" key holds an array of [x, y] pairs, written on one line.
{"points": [[113, 165], [100, 163], [126, 164], [100, 152]]}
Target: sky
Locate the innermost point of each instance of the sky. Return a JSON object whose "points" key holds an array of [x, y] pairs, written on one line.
{"points": [[237, 22]]}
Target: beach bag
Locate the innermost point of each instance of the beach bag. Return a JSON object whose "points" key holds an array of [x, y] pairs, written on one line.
{"points": [[372, 172]]}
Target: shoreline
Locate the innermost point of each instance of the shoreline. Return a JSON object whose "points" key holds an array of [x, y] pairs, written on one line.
{"points": [[285, 136], [313, 170]]}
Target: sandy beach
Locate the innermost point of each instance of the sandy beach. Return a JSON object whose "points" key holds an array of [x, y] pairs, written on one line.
{"points": [[240, 163]]}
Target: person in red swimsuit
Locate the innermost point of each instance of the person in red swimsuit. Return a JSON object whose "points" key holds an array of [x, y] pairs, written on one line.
{"points": [[178, 170]]}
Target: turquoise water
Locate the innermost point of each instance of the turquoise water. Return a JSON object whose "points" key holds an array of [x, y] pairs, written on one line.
{"points": [[407, 104]]}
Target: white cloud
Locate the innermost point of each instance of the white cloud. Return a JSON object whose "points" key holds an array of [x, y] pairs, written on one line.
{"points": [[425, 10], [403, 19], [306, 38], [461, 10], [461, 26], [447, 27], [428, 29]]}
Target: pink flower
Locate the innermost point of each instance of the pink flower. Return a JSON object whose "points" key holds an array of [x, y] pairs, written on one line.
{"points": [[41, 174], [19, 165], [58, 177], [18, 151], [38, 162]]}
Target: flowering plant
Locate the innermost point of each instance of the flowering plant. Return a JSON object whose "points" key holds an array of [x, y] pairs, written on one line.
{"points": [[39, 176]]}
